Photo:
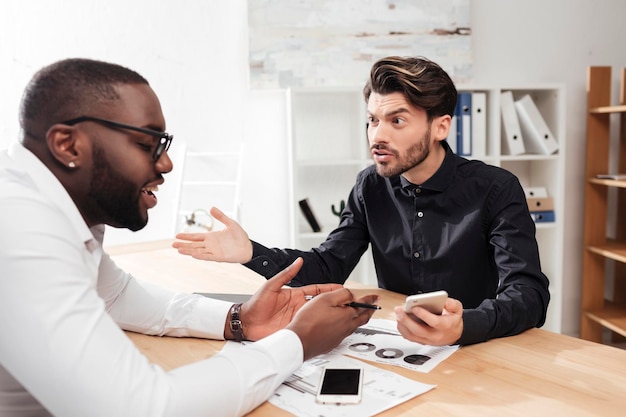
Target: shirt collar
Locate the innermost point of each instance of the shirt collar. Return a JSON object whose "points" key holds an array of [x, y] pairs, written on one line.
{"points": [[49, 185], [441, 178]]}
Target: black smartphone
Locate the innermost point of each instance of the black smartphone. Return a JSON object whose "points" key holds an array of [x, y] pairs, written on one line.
{"points": [[340, 386]]}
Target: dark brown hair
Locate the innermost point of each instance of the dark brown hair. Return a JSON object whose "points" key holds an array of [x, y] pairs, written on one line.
{"points": [[422, 82]]}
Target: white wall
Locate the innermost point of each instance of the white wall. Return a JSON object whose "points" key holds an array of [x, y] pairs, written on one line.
{"points": [[194, 53]]}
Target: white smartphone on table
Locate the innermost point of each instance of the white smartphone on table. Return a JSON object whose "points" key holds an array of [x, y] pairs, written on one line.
{"points": [[340, 386], [431, 301]]}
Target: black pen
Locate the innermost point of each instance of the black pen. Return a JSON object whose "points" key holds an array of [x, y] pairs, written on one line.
{"points": [[362, 305], [352, 304]]}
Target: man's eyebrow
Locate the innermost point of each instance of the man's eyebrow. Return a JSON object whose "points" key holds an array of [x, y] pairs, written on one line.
{"points": [[393, 112], [397, 111]]}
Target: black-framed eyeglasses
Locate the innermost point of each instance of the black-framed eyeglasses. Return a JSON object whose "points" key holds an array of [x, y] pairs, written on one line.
{"points": [[165, 139]]}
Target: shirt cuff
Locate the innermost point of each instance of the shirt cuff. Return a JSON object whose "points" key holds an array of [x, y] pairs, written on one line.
{"points": [[208, 318], [261, 263], [475, 327], [285, 347]]}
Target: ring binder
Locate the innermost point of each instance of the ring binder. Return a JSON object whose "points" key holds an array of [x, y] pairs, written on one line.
{"points": [[537, 135], [512, 143]]}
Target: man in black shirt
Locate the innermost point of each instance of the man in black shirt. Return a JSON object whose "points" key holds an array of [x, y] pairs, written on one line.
{"points": [[434, 220]]}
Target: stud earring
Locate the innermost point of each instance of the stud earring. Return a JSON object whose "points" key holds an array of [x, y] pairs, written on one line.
{"points": [[71, 164]]}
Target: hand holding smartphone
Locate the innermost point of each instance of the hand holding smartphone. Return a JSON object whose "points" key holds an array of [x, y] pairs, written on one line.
{"points": [[431, 301], [340, 386]]}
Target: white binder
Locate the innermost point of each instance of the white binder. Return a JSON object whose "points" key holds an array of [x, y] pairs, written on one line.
{"points": [[537, 136], [479, 124], [512, 141]]}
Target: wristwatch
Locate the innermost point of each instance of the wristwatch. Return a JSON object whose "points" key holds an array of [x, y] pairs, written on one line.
{"points": [[235, 322]]}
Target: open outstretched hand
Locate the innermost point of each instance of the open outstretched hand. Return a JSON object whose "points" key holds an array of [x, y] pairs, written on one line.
{"points": [[230, 244]]}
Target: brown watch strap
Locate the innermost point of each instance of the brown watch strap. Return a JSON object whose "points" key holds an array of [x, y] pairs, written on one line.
{"points": [[235, 322]]}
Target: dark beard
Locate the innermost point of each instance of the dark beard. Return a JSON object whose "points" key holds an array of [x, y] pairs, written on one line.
{"points": [[415, 155], [114, 195]]}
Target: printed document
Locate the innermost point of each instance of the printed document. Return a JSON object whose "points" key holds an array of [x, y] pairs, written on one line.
{"points": [[379, 341]]}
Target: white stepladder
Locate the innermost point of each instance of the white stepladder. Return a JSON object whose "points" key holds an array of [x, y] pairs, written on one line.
{"points": [[209, 179]]}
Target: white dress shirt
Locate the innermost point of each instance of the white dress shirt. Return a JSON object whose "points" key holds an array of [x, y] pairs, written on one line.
{"points": [[64, 303]]}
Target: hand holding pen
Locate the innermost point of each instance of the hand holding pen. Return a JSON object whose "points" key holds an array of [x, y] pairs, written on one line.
{"points": [[329, 310]]}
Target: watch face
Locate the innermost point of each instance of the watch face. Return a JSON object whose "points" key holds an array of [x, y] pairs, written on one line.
{"points": [[235, 323]]}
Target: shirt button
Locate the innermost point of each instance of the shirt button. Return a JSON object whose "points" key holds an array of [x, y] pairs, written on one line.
{"points": [[420, 214], [418, 190], [416, 255], [265, 263]]}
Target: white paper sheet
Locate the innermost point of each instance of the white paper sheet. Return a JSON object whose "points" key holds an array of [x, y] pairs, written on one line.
{"points": [[379, 341], [381, 390]]}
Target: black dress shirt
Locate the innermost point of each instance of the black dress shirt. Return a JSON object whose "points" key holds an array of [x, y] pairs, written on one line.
{"points": [[466, 230]]}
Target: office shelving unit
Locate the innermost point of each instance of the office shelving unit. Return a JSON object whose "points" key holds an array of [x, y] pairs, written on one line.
{"points": [[604, 254], [328, 147]]}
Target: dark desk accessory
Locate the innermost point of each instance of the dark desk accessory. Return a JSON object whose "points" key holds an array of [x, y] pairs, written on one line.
{"points": [[308, 215]]}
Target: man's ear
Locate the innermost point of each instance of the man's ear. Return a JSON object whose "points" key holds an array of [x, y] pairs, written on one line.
{"points": [[441, 127], [64, 145]]}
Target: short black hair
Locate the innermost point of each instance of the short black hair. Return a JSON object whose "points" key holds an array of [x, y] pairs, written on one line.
{"points": [[422, 82], [70, 88]]}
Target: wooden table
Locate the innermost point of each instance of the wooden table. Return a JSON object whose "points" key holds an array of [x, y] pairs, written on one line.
{"points": [[537, 373]]}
